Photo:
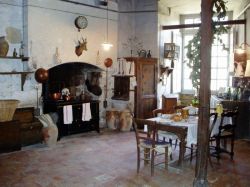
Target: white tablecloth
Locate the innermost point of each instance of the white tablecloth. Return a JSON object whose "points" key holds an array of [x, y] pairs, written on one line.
{"points": [[192, 124]]}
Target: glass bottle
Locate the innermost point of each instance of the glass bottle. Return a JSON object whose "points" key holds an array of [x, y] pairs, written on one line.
{"points": [[21, 50], [239, 94], [14, 53], [235, 94], [229, 93], [149, 54]]}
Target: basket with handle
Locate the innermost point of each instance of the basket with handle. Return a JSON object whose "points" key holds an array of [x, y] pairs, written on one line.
{"points": [[7, 109]]}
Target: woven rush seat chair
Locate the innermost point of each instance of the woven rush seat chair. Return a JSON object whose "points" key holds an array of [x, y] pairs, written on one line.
{"points": [[147, 144], [193, 147], [226, 131]]}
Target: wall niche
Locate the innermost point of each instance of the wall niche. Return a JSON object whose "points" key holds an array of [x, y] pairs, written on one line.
{"points": [[121, 87]]}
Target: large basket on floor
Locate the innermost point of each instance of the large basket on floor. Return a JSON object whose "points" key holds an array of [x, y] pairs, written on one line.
{"points": [[7, 109]]}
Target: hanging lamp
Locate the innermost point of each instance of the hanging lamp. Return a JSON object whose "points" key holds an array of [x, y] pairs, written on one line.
{"points": [[106, 45]]}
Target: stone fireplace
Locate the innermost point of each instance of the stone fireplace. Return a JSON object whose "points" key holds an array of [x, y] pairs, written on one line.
{"points": [[80, 83]]}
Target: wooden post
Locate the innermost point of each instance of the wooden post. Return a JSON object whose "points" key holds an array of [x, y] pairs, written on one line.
{"points": [[200, 179]]}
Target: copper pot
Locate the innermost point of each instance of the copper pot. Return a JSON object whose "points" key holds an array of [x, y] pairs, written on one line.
{"points": [[41, 75], [55, 96]]}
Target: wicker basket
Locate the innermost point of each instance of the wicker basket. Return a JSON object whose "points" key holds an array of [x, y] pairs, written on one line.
{"points": [[7, 109]]}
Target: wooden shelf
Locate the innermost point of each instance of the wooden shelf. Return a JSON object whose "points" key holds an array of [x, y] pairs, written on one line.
{"points": [[16, 72], [10, 57], [23, 75]]}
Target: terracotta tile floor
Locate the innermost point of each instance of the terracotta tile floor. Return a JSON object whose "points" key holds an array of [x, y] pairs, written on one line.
{"points": [[109, 159]]}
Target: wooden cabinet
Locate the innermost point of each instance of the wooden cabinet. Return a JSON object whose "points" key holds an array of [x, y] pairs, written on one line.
{"points": [[10, 136], [77, 125], [145, 92]]}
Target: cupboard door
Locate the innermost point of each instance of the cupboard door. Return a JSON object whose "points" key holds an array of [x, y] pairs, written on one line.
{"points": [[146, 74]]}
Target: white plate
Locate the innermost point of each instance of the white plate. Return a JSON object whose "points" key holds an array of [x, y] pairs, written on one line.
{"points": [[165, 116], [164, 121]]}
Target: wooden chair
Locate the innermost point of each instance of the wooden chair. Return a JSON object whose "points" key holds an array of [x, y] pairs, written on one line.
{"points": [[226, 131], [169, 104], [213, 117], [156, 112], [164, 134], [148, 144]]}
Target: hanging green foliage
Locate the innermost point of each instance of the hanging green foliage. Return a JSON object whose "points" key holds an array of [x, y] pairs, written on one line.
{"points": [[194, 45]]}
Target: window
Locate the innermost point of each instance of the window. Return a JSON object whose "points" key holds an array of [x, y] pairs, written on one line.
{"points": [[219, 57]]}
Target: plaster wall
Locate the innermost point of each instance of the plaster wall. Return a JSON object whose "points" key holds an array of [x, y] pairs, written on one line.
{"points": [[164, 36], [11, 21], [237, 11], [48, 27], [138, 18]]}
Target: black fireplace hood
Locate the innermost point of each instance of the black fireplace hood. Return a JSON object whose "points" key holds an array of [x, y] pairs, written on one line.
{"points": [[76, 65]]}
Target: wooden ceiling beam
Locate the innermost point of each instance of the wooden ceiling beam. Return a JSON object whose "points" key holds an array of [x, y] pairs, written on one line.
{"points": [[184, 26]]}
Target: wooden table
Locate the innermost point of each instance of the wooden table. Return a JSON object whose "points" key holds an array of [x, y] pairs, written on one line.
{"points": [[180, 131]]}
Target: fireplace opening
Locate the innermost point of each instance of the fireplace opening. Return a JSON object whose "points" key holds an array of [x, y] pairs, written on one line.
{"points": [[72, 91]]}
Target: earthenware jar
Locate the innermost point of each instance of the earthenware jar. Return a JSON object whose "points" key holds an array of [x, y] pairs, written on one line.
{"points": [[4, 46]]}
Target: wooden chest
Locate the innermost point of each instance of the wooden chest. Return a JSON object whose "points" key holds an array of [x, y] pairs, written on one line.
{"points": [[30, 127], [10, 136], [24, 115]]}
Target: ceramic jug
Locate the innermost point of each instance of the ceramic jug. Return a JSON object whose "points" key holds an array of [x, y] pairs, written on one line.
{"points": [[4, 46]]}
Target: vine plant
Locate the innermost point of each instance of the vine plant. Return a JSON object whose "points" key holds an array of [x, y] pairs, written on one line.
{"points": [[194, 45]]}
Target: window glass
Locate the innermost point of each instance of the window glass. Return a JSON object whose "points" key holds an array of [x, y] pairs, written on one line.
{"points": [[214, 62], [219, 57], [222, 62], [213, 84], [189, 21], [222, 74], [187, 84], [214, 50], [213, 73], [221, 83]]}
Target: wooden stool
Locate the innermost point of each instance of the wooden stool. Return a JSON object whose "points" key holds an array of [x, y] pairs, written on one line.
{"points": [[111, 118]]}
